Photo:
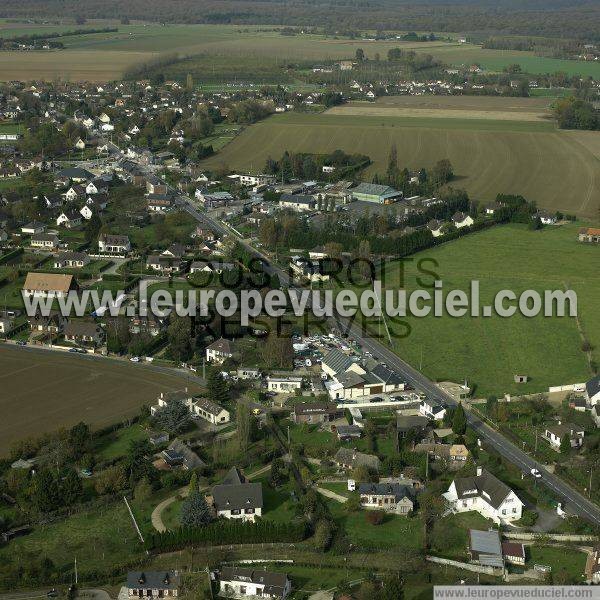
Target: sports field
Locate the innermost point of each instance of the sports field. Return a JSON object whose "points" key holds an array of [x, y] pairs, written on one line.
{"points": [[244, 47], [488, 352], [557, 169], [43, 391]]}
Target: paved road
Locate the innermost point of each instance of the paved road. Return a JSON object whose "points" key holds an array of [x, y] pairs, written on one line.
{"points": [[574, 502]]}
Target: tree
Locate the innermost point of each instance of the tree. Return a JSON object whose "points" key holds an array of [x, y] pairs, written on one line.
{"points": [[173, 417], [71, 489], [565, 444], [243, 425], [323, 535], [110, 480], [218, 391], [193, 484], [278, 472], [459, 420], [195, 511], [360, 55], [353, 503], [143, 490], [79, 439], [179, 334], [392, 588]]}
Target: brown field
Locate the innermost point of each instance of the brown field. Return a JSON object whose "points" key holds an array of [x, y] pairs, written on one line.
{"points": [[493, 103], [72, 65], [42, 391]]}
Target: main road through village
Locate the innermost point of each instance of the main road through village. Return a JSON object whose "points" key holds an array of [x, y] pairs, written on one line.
{"points": [[574, 502]]}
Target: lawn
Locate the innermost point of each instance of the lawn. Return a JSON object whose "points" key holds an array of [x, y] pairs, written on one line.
{"points": [[557, 169], [312, 438], [489, 351], [116, 444], [396, 531], [101, 539], [568, 558]]}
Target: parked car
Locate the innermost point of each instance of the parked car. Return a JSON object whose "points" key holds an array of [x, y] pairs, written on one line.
{"points": [[536, 473], [135, 359]]}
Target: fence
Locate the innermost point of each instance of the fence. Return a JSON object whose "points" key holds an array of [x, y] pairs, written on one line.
{"points": [[466, 566], [555, 537]]}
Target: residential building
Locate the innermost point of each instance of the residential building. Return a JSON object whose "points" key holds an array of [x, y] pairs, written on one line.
{"points": [[346, 458], [485, 548], [375, 193], [179, 454], [165, 264], [86, 332], [435, 227], [113, 244], [219, 351], [236, 498], [390, 497], [592, 390], [154, 185], [71, 260], [159, 203], [413, 426], [458, 453], [52, 323], [210, 411], [316, 412], [513, 553], [255, 180], [46, 241], [211, 266], [555, 433], [153, 584], [69, 219], [33, 228], [461, 219], [240, 582], [545, 217], [485, 494], [308, 269], [297, 202], [284, 385], [48, 285], [590, 235], [432, 410]]}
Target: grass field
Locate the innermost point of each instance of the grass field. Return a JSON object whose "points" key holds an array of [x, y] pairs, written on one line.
{"points": [[557, 169], [238, 49], [488, 352], [42, 391]]}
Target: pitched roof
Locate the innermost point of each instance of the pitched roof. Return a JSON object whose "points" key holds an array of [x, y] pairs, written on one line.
{"points": [[221, 345], [48, 282], [592, 387], [237, 496], [398, 490], [209, 406], [337, 361], [486, 546], [274, 583], [83, 328], [346, 456], [486, 486], [155, 580]]}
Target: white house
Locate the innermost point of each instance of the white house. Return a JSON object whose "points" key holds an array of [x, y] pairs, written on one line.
{"points": [[33, 227], [461, 219], [284, 385], [485, 494], [432, 410], [152, 584], [48, 241], [48, 285], [210, 411], [240, 582], [592, 390], [297, 202], [219, 351], [69, 219], [236, 498], [114, 244], [555, 433], [545, 217], [392, 497]]}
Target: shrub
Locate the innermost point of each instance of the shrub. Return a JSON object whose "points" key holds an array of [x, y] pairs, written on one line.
{"points": [[375, 517]]}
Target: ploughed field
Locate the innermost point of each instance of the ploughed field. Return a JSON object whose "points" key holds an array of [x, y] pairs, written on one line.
{"points": [[557, 169], [41, 391]]}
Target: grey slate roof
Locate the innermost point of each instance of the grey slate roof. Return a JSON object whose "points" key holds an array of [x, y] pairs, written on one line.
{"points": [[234, 493], [337, 361], [485, 485], [155, 580], [345, 456], [486, 547], [592, 387], [398, 490], [274, 583]]}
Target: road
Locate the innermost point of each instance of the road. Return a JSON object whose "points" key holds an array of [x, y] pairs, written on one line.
{"points": [[574, 502]]}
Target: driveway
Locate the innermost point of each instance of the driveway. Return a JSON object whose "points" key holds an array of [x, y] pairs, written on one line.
{"points": [[329, 494]]}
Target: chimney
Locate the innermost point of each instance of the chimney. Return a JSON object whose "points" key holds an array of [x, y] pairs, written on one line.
{"points": [[479, 471]]}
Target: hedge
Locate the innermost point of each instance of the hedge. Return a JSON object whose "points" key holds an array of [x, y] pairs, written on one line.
{"points": [[10, 255], [227, 532]]}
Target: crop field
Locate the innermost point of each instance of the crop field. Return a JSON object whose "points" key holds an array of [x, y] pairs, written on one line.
{"points": [[488, 352], [42, 391], [242, 49], [557, 169]]}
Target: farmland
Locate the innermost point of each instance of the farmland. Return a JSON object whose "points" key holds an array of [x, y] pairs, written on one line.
{"points": [[43, 391], [557, 169], [488, 352], [224, 53]]}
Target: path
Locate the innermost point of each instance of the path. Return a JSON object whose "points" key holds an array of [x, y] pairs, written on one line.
{"points": [[156, 516], [329, 494]]}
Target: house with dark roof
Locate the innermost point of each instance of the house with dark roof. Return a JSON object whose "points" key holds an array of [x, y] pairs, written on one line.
{"points": [[556, 432], [219, 351], [240, 582], [84, 332], [316, 412], [114, 244], [237, 498], [461, 219], [153, 584], [393, 497], [432, 409], [297, 202], [513, 552], [71, 260], [592, 390], [210, 411], [485, 494], [347, 458]]}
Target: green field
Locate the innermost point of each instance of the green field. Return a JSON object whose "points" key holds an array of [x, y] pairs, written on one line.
{"points": [[557, 169], [488, 352], [226, 52]]}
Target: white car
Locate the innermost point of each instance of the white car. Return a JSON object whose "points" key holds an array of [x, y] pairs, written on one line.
{"points": [[536, 473], [135, 359]]}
